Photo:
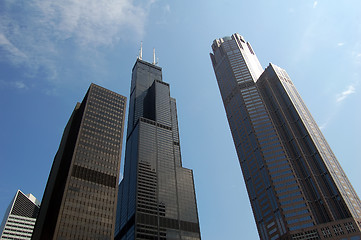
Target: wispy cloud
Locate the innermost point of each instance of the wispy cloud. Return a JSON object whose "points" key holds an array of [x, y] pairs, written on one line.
{"points": [[335, 110], [20, 85], [93, 22], [163, 15], [10, 51], [167, 8], [324, 125], [51, 92], [315, 4], [343, 95], [357, 57], [340, 44], [35, 33]]}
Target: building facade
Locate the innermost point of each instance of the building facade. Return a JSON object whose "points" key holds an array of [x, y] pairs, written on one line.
{"points": [[156, 196], [295, 184], [20, 217], [80, 197]]}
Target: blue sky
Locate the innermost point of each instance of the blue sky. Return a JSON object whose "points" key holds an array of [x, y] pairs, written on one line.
{"points": [[50, 51]]}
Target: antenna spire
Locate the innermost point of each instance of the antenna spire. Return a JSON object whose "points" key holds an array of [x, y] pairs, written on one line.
{"points": [[154, 63], [141, 51]]}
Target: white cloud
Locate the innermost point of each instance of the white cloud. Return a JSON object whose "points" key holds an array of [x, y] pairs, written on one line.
{"points": [[315, 4], [93, 22], [340, 44], [35, 33], [342, 96]]}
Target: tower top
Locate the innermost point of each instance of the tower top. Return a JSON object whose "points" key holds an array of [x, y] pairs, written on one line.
{"points": [[140, 55]]}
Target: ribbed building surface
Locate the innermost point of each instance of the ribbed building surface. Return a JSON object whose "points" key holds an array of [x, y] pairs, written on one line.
{"points": [[156, 196], [20, 217], [80, 197], [295, 184]]}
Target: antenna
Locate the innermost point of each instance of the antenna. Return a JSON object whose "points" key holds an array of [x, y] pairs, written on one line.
{"points": [[154, 63], [141, 51]]}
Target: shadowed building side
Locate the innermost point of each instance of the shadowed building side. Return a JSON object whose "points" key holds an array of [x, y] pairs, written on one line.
{"points": [[295, 184], [156, 196], [80, 197]]}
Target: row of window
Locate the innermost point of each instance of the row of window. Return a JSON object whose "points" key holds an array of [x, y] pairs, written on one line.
{"points": [[103, 110], [103, 131], [117, 104]]}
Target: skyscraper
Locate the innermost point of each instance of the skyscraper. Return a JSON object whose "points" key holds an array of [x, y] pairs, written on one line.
{"points": [[80, 197], [295, 184], [20, 217], [156, 196]]}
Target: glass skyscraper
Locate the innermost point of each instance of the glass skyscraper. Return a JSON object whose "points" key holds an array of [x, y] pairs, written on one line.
{"points": [[156, 196], [80, 197], [295, 184]]}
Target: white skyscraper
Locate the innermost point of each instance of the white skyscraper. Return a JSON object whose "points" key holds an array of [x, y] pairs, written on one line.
{"points": [[20, 217]]}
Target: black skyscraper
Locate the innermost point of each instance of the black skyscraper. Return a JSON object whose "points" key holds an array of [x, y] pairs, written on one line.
{"points": [[80, 197], [156, 196], [295, 184]]}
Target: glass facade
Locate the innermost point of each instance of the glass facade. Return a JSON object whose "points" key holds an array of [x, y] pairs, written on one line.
{"points": [[156, 197], [80, 197], [292, 177]]}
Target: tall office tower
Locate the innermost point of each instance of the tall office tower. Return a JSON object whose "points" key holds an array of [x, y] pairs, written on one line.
{"points": [[156, 196], [295, 184], [80, 197], [20, 217]]}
